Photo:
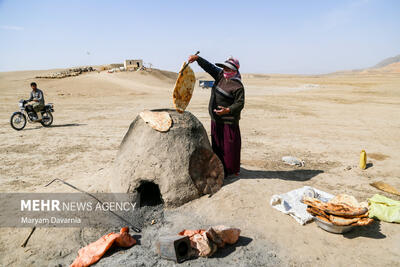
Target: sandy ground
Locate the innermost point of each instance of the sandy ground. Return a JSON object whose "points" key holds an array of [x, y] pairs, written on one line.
{"points": [[325, 120]]}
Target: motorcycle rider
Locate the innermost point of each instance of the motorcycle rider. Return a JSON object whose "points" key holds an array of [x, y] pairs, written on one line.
{"points": [[37, 97]]}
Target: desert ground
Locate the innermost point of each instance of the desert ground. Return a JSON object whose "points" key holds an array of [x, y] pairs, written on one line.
{"points": [[326, 120]]}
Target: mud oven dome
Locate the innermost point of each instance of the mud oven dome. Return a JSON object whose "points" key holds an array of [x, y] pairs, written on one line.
{"points": [[172, 167]]}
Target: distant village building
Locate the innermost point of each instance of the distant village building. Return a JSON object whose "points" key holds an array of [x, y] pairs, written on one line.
{"points": [[133, 64], [115, 65]]}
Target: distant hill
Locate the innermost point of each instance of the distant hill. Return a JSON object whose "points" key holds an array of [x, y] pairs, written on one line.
{"points": [[387, 61], [390, 68], [388, 65]]}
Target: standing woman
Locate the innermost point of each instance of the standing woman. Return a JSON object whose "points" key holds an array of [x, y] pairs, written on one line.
{"points": [[226, 103]]}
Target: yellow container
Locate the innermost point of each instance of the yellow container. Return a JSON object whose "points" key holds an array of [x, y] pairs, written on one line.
{"points": [[363, 160]]}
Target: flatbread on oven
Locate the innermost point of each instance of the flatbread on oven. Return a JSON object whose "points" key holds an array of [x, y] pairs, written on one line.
{"points": [[158, 120]]}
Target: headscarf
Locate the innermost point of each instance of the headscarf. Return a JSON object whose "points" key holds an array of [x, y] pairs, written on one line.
{"points": [[233, 64]]}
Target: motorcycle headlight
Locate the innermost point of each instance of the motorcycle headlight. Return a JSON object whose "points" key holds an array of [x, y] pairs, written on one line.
{"points": [[20, 104]]}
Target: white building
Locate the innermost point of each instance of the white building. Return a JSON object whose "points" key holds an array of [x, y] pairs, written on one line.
{"points": [[133, 64]]}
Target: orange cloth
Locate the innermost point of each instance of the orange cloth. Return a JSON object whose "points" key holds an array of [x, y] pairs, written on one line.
{"points": [[227, 234], [94, 251], [191, 233]]}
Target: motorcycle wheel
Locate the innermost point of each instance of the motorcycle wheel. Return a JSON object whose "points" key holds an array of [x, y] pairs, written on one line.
{"points": [[18, 121], [47, 119]]}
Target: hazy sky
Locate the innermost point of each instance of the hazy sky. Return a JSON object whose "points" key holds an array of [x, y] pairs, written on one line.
{"points": [[266, 36]]}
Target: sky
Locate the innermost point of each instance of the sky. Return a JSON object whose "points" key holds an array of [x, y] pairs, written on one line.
{"points": [[294, 37]]}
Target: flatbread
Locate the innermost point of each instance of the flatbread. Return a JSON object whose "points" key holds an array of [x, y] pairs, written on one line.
{"points": [[317, 212], [158, 120], [315, 203], [323, 219], [341, 209], [385, 187], [345, 210], [364, 222], [183, 89], [345, 199], [341, 221], [348, 200]]}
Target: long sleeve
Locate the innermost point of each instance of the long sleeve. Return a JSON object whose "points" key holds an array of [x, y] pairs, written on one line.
{"points": [[30, 97], [40, 96], [238, 102], [211, 69]]}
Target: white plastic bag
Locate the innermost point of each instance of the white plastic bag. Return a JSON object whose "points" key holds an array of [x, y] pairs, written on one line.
{"points": [[293, 161]]}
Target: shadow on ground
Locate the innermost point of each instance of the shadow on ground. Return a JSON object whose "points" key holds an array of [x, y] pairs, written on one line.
{"points": [[371, 231], [67, 125], [221, 252], [228, 249], [291, 175], [56, 126]]}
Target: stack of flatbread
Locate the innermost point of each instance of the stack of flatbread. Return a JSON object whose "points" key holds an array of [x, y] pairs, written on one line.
{"points": [[341, 210]]}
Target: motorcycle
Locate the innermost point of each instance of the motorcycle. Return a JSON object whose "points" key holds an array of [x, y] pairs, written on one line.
{"points": [[18, 119]]}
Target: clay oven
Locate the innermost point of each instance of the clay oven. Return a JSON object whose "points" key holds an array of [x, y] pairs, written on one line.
{"points": [[172, 167]]}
